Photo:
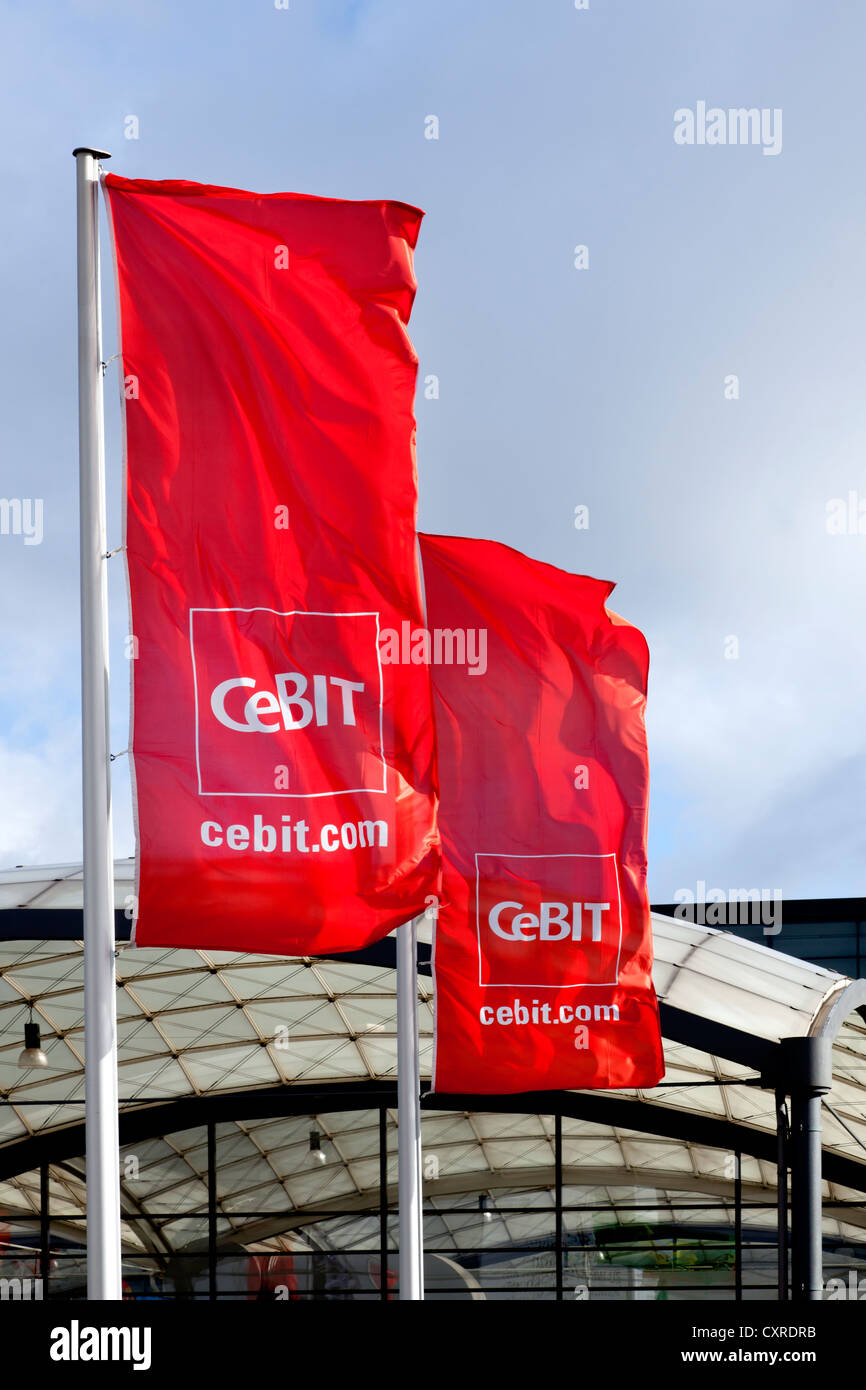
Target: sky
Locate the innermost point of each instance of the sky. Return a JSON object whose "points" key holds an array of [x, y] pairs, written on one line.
{"points": [[695, 381]]}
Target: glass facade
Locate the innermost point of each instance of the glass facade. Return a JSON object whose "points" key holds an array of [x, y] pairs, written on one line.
{"points": [[205, 1221]]}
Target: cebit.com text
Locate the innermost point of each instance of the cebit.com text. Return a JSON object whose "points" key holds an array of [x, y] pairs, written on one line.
{"points": [[536, 1012], [294, 836]]}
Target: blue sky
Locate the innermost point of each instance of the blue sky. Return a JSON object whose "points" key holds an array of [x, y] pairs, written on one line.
{"points": [[603, 387]]}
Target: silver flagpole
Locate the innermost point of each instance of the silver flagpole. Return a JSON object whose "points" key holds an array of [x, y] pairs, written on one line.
{"points": [[100, 1005], [409, 1116]]}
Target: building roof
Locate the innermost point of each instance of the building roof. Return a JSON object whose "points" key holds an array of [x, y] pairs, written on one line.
{"points": [[269, 1047]]}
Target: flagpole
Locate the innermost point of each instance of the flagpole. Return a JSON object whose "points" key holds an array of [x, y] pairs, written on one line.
{"points": [[100, 1005], [409, 1116]]}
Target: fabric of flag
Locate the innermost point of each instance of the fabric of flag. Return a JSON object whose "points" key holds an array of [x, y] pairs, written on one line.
{"points": [[283, 773], [542, 948]]}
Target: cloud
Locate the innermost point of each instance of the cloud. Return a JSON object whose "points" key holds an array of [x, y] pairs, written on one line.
{"points": [[40, 811]]}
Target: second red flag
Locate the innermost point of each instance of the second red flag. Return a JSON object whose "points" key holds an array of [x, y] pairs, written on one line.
{"points": [[542, 947]]}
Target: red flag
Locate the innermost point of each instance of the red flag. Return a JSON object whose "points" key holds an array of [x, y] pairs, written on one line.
{"points": [[283, 771], [542, 948]]}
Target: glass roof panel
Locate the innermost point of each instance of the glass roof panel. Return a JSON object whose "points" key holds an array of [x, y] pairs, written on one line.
{"points": [[216, 1009]]}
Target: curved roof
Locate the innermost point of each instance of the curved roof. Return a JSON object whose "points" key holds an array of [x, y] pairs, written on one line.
{"points": [[270, 1047]]}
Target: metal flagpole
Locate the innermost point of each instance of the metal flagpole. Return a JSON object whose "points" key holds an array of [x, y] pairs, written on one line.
{"points": [[100, 1005], [409, 1116]]}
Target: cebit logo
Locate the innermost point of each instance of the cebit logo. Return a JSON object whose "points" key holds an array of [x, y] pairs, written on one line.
{"points": [[553, 922], [548, 921], [287, 704], [290, 703]]}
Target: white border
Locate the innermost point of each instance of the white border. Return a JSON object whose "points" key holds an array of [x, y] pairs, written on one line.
{"points": [[522, 984], [293, 613]]}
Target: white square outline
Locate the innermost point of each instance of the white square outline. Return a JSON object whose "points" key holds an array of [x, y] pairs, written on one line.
{"points": [[292, 613], [581, 984]]}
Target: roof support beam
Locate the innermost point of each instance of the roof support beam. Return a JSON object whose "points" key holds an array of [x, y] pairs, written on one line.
{"points": [[621, 1112]]}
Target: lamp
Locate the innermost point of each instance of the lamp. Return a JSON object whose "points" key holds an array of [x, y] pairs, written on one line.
{"points": [[317, 1153], [31, 1054]]}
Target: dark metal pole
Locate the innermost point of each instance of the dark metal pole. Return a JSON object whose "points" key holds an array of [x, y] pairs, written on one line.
{"points": [[211, 1212], [806, 1196], [782, 1194], [738, 1228], [808, 1074], [383, 1202], [557, 1159], [44, 1228], [410, 1187]]}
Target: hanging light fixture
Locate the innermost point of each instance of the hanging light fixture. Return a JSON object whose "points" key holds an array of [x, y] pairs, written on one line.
{"points": [[31, 1055], [484, 1207], [317, 1153]]}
